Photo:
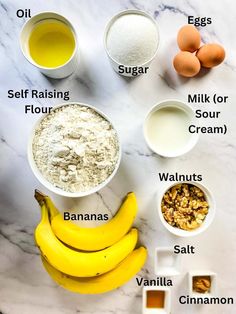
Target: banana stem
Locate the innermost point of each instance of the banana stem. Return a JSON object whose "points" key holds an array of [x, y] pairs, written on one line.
{"points": [[39, 196], [42, 198]]}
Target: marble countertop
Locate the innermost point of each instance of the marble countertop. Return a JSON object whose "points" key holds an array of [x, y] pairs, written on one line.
{"points": [[25, 287]]}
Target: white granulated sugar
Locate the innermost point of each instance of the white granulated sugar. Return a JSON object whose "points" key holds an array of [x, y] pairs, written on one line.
{"points": [[75, 148], [132, 39]]}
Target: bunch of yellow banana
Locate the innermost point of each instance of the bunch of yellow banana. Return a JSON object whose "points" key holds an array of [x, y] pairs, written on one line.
{"points": [[108, 259]]}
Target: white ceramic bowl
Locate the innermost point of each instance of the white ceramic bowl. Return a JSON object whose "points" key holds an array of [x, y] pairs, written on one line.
{"points": [[172, 262], [207, 221], [171, 103], [167, 301], [49, 185], [61, 71], [115, 64]]}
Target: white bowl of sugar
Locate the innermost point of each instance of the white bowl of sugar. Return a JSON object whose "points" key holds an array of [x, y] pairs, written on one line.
{"points": [[131, 41]]}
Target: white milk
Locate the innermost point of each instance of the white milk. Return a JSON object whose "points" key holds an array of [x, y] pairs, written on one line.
{"points": [[167, 130]]}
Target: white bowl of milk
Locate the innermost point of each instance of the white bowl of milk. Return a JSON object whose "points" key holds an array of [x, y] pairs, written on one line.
{"points": [[166, 128]]}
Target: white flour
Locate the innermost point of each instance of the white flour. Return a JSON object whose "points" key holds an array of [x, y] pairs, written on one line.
{"points": [[132, 39], [75, 148]]}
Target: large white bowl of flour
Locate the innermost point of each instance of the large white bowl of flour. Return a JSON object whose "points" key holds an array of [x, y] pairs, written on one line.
{"points": [[74, 150]]}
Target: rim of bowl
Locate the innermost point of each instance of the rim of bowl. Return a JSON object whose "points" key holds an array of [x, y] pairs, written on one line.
{"points": [[182, 106], [111, 22], [207, 221], [28, 57], [48, 184]]}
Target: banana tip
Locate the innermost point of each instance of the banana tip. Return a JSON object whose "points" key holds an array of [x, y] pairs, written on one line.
{"points": [[39, 196]]}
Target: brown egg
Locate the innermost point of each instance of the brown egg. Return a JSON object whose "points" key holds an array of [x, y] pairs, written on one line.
{"points": [[186, 64], [188, 38], [211, 55]]}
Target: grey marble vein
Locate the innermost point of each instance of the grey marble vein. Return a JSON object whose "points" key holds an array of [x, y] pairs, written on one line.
{"points": [[104, 202], [3, 141], [173, 9], [23, 241]]}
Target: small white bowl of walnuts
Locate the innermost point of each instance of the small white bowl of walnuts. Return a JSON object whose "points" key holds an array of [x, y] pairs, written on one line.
{"points": [[186, 208]]}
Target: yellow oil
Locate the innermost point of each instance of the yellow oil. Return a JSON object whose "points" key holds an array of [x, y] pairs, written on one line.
{"points": [[51, 43]]}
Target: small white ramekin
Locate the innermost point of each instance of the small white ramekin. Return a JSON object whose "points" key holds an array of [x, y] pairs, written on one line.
{"points": [[167, 301], [167, 270], [194, 273], [174, 103], [49, 185], [207, 221], [61, 71], [115, 64]]}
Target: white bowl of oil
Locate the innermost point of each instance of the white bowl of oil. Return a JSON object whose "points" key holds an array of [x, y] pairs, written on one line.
{"points": [[48, 41]]}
